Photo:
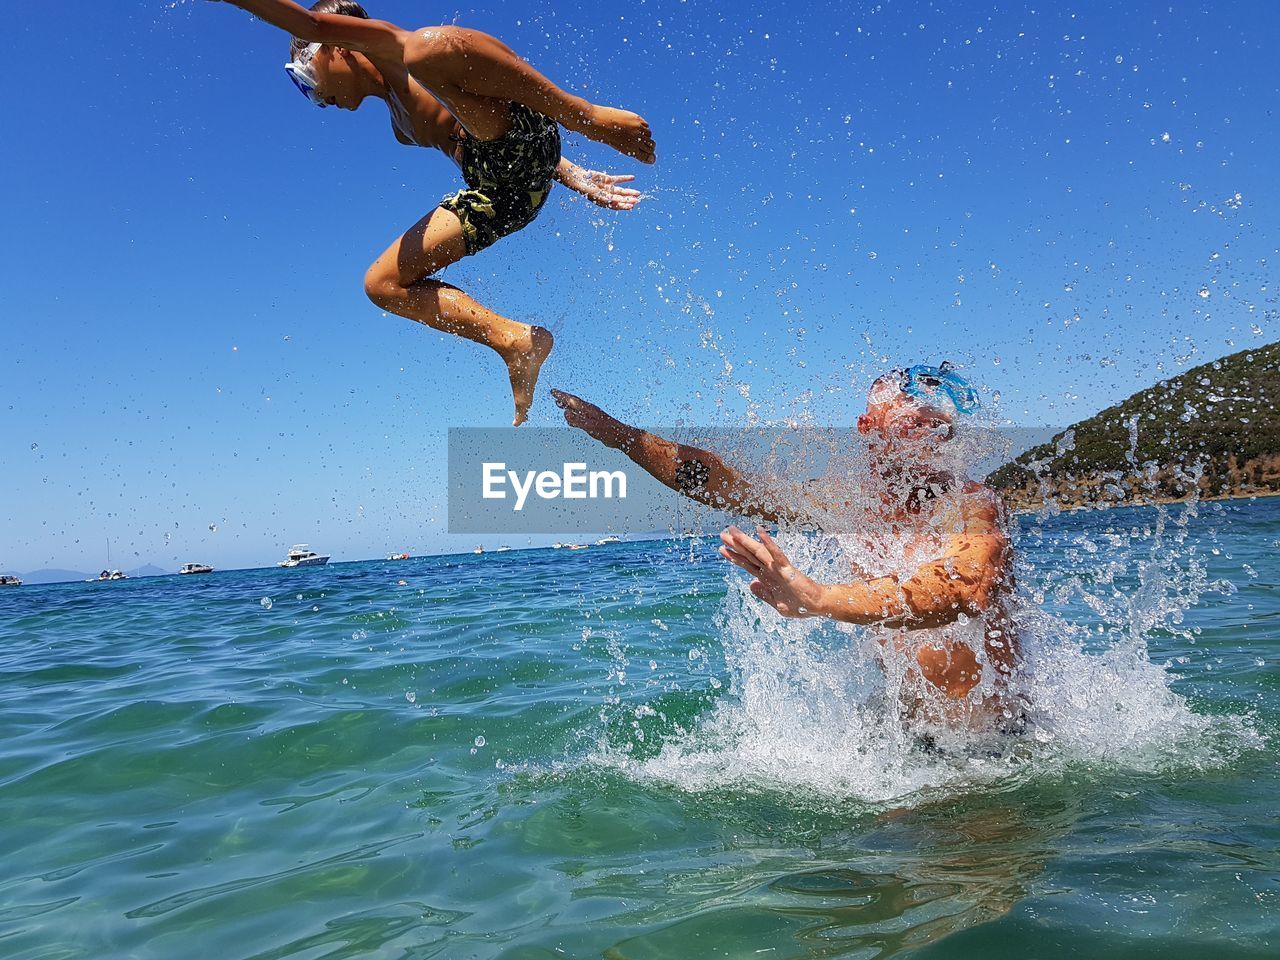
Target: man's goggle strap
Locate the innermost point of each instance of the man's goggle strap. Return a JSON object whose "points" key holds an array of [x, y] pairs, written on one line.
{"points": [[932, 385]]}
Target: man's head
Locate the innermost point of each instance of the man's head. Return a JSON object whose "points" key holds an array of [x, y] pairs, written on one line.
{"points": [[916, 407], [329, 75]]}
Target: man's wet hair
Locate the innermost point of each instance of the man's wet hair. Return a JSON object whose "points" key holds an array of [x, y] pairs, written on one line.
{"points": [[346, 8]]}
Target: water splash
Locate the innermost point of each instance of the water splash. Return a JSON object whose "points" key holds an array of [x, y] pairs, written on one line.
{"points": [[811, 708]]}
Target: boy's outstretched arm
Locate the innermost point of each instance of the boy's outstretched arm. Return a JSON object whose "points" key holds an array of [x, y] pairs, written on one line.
{"points": [[481, 65], [376, 37]]}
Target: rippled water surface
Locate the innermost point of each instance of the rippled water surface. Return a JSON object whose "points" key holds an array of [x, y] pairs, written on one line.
{"points": [[548, 754]]}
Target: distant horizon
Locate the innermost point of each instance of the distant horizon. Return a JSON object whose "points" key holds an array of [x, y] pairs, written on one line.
{"points": [[134, 573], [81, 575]]}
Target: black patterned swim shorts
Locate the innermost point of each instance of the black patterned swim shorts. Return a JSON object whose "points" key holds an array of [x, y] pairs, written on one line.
{"points": [[508, 179]]}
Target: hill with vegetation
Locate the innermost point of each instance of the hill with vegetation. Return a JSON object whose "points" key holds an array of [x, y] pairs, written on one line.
{"points": [[1211, 432]]}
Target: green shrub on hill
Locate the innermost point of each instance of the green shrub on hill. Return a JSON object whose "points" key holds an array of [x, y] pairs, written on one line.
{"points": [[1219, 421]]}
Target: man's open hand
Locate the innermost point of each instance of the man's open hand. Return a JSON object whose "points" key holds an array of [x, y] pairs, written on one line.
{"points": [[776, 582], [591, 419]]}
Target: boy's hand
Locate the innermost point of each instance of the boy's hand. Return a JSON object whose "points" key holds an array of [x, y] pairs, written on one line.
{"points": [[601, 188]]}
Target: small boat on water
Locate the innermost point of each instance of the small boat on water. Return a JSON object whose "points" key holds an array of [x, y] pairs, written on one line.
{"points": [[576, 546], [398, 556], [301, 555], [108, 574], [8, 581], [605, 541], [478, 549], [195, 568], [502, 549]]}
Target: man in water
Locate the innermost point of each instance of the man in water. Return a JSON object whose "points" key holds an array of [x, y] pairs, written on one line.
{"points": [[937, 604]]}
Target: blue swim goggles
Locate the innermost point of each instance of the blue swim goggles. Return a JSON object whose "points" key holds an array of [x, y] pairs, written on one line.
{"points": [[932, 384], [303, 77]]}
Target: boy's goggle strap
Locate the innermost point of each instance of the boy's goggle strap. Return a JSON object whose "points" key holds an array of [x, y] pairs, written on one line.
{"points": [[303, 76]]}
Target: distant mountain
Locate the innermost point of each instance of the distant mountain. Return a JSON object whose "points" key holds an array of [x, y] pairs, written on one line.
{"points": [[1212, 431], [150, 570], [49, 575]]}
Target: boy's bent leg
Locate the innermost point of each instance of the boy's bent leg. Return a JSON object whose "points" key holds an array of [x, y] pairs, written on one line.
{"points": [[399, 282]]}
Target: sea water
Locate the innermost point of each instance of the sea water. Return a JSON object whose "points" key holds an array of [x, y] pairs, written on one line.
{"points": [[617, 752]]}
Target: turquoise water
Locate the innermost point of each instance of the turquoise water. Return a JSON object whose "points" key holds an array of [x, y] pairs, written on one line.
{"points": [[606, 754]]}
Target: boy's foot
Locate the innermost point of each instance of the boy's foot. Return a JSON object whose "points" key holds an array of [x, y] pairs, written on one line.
{"points": [[625, 131], [523, 367]]}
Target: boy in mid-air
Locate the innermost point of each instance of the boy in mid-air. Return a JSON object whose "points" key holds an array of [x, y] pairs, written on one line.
{"points": [[470, 96]]}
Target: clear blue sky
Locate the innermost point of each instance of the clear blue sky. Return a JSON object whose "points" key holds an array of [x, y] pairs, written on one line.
{"points": [[1042, 191]]}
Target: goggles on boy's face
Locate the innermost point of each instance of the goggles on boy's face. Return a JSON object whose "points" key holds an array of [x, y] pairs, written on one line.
{"points": [[933, 386], [303, 75]]}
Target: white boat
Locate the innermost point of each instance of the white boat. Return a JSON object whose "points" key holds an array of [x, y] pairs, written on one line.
{"points": [[502, 549], [478, 550], [8, 581], [196, 568], [301, 555], [605, 541], [108, 574]]}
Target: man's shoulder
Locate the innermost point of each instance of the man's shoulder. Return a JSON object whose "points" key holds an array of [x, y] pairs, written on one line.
{"points": [[981, 503], [976, 490]]}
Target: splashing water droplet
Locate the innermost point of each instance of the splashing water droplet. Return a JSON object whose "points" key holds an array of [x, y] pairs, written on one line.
{"points": [[266, 603]]}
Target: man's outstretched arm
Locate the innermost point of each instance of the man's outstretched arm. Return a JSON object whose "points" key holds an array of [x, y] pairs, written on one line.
{"points": [[935, 594], [698, 474], [961, 582]]}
